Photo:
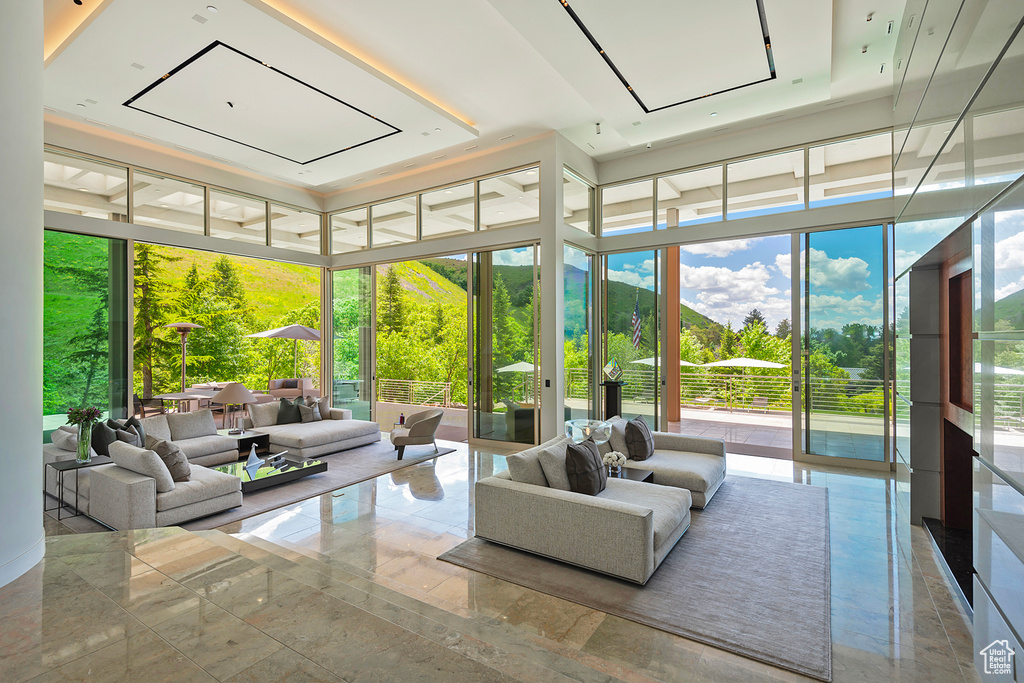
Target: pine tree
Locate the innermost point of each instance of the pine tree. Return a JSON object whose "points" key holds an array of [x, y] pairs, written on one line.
{"points": [[192, 278], [728, 348], [391, 303], [754, 317], [783, 329], [226, 283], [150, 290]]}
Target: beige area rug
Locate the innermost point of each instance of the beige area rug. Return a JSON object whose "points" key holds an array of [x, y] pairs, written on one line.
{"points": [[343, 469], [751, 576]]}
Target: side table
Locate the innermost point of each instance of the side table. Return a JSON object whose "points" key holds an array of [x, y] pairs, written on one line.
{"points": [[62, 467], [247, 439], [634, 474]]}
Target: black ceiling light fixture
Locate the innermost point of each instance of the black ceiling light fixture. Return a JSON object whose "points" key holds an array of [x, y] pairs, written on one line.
{"points": [[78, 2]]}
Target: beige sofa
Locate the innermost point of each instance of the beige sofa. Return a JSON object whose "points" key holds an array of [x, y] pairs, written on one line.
{"points": [[314, 439], [625, 531], [304, 388], [195, 434], [695, 463]]}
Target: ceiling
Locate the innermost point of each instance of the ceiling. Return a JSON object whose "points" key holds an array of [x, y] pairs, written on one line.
{"points": [[327, 94]]}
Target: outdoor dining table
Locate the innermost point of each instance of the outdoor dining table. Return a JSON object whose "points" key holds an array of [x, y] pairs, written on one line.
{"points": [[185, 398]]}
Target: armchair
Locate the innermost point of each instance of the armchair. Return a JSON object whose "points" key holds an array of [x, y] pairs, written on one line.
{"points": [[419, 429], [293, 387]]}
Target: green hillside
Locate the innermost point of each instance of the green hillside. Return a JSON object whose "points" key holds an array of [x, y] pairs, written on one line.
{"points": [[425, 285], [1010, 311]]}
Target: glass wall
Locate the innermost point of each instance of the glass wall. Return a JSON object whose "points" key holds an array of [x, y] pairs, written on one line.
{"points": [[577, 202], [631, 320], [393, 222], [85, 326], [509, 200], [507, 399], [349, 231], [85, 187], [851, 170], [578, 342], [843, 297], [237, 217], [294, 229], [768, 184], [168, 203], [627, 208], [353, 343], [449, 211], [690, 198]]}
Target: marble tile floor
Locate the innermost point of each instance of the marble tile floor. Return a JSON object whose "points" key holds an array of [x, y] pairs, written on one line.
{"points": [[346, 587]]}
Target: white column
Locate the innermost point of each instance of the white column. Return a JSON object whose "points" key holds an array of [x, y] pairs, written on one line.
{"points": [[21, 287]]}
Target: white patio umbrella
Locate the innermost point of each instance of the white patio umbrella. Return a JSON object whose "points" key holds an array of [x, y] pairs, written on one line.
{"points": [[650, 361], [743, 363], [293, 332], [998, 370], [521, 366]]}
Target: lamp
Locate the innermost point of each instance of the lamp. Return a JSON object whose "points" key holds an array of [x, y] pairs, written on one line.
{"points": [[183, 329], [233, 394]]}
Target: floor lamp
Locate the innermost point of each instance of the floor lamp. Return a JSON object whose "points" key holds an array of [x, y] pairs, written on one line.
{"points": [[183, 329]]}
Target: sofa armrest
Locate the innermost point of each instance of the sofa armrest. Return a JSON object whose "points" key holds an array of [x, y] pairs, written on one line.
{"points": [[341, 414], [605, 535], [690, 444], [121, 498]]}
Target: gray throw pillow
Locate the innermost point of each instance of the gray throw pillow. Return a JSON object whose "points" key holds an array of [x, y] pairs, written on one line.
{"points": [[552, 461], [324, 406], [173, 458], [134, 422], [639, 440], [617, 441], [307, 414], [525, 468], [65, 437], [288, 411], [102, 437], [263, 414], [290, 384], [129, 436], [586, 472], [312, 402], [144, 462]]}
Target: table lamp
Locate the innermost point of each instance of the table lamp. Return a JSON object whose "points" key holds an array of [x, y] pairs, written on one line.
{"points": [[233, 394]]}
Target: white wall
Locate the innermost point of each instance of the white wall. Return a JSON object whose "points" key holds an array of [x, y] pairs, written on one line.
{"points": [[21, 280]]}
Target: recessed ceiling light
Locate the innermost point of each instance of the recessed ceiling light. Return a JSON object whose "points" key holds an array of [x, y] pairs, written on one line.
{"points": [[211, 9], [437, 130], [80, 105], [83, 189], [520, 196], [302, 225], [531, 173], [163, 206], [501, 213], [447, 191], [714, 113]]}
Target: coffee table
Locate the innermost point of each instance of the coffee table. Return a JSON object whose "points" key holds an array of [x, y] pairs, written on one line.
{"points": [[634, 474], [247, 439], [271, 474]]}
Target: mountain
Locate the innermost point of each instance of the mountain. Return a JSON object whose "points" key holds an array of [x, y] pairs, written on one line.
{"points": [[1010, 310]]}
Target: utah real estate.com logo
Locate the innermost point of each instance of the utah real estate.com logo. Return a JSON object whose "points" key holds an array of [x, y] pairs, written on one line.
{"points": [[998, 658]]}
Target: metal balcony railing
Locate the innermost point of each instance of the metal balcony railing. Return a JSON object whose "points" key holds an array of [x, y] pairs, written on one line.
{"points": [[414, 392]]}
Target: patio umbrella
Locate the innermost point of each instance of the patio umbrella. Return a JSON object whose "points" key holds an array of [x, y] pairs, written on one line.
{"points": [[293, 332], [650, 361], [743, 363], [521, 366], [997, 370]]}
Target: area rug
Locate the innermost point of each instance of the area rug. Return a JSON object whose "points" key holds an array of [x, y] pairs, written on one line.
{"points": [[343, 469], [751, 576]]}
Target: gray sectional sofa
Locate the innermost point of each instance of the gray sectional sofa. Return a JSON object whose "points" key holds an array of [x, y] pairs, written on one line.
{"points": [[313, 439], [195, 434]]}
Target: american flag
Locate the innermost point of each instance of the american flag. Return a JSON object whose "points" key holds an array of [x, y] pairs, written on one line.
{"points": [[636, 323]]}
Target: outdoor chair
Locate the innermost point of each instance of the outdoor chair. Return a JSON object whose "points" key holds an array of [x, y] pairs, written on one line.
{"points": [[759, 403], [419, 429], [144, 407]]}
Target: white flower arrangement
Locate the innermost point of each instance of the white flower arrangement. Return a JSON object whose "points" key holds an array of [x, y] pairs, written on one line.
{"points": [[614, 459]]}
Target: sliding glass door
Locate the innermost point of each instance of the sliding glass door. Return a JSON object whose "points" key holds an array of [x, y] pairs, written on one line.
{"points": [[506, 396], [353, 342]]}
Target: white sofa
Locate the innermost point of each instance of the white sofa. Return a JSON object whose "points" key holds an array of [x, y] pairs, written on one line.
{"points": [[323, 437], [625, 531]]}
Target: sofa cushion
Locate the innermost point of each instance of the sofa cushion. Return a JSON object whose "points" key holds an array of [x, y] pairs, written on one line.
{"points": [[157, 427], [617, 439], [205, 484], [552, 461], [289, 384], [139, 427], [323, 405], [65, 438], [525, 468], [207, 445], [174, 459], [587, 473], [639, 440], [288, 411], [191, 425], [102, 436], [693, 471], [144, 462], [130, 436], [263, 414], [670, 505], [321, 433], [309, 413]]}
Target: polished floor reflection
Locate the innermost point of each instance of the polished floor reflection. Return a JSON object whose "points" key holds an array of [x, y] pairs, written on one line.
{"points": [[346, 587]]}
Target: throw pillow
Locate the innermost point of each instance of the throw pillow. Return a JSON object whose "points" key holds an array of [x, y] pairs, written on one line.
{"points": [[288, 411], [134, 422], [192, 425], [311, 402], [525, 468], [617, 440], [586, 472], [324, 405], [263, 414], [290, 384], [552, 462], [639, 440], [102, 437], [306, 414], [143, 462], [129, 436], [174, 459], [65, 437]]}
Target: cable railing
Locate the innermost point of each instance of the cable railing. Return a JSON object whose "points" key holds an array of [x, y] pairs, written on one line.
{"points": [[414, 392]]}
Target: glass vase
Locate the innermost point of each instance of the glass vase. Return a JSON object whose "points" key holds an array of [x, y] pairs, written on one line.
{"points": [[614, 470], [84, 442]]}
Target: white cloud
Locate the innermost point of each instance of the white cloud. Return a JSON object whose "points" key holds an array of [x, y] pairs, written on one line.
{"points": [[784, 263], [838, 274], [726, 295], [513, 257], [717, 249], [631, 278]]}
